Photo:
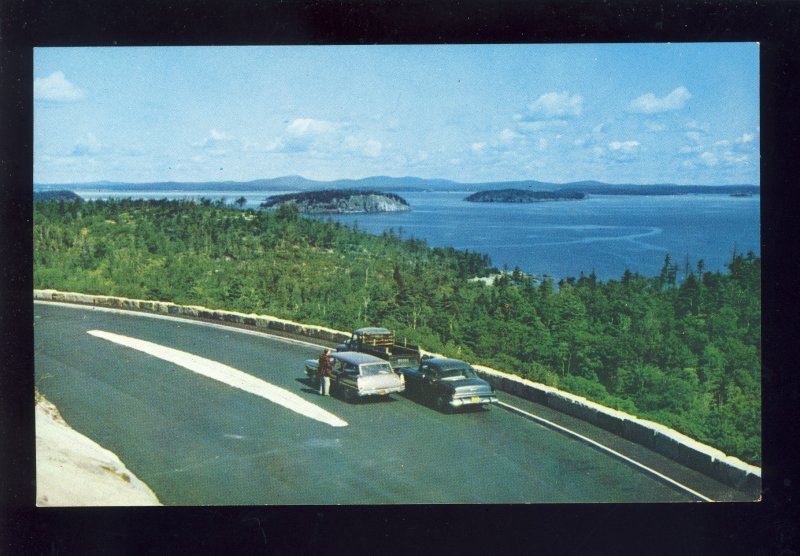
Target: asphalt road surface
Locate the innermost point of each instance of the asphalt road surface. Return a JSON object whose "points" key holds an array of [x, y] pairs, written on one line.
{"points": [[133, 384]]}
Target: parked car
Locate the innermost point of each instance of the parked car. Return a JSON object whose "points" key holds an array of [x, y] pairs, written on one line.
{"points": [[381, 342], [448, 384], [357, 375]]}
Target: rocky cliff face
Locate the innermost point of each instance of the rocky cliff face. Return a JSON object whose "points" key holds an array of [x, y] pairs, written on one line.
{"points": [[341, 202], [362, 203]]}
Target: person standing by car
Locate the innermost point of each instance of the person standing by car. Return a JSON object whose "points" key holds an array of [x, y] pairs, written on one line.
{"points": [[324, 370]]}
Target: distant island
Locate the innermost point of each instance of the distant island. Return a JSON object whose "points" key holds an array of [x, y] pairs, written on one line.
{"points": [[403, 184], [340, 201], [57, 195], [524, 196]]}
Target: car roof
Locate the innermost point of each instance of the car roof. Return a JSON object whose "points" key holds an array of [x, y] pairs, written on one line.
{"points": [[445, 362], [373, 330], [356, 358]]}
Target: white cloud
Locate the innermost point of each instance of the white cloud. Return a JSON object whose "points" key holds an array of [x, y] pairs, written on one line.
{"points": [[651, 104], [625, 147], [216, 135], [217, 143], [556, 105], [654, 127], [479, 148], [709, 159], [508, 136], [86, 145], [56, 87], [616, 152], [735, 159], [278, 144], [592, 138], [541, 125], [302, 127], [695, 136], [694, 124], [215, 138], [723, 153], [735, 152], [364, 145]]}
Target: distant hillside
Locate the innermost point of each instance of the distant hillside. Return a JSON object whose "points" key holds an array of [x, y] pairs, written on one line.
{"points": [[597, 188], [407, 183], [340, 201], [523, 196], [57, 195]]}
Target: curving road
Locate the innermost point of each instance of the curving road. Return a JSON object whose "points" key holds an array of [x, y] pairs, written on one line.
{"points": [[197, 440]]}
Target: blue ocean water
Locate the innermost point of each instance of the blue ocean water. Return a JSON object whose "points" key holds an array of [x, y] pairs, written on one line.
{"points": [[605, 234]]}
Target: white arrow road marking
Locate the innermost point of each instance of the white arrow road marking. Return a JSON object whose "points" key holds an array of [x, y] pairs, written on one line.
{"points": [[228, 375]]}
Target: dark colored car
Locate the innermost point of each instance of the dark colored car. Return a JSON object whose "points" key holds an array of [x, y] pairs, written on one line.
{"points": [[448, 384]]}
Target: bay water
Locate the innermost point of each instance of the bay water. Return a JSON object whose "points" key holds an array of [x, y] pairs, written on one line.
{"points": [[604, 234]]}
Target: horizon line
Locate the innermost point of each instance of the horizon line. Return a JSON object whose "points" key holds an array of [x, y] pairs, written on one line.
{"points": [[296, 176]]}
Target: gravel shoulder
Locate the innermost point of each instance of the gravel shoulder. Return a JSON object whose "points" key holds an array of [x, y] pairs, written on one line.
{"points": [[72, 470]]}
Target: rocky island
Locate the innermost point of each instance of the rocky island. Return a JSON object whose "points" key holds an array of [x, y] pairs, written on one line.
{"points": [[340, 201], [524, 196]]}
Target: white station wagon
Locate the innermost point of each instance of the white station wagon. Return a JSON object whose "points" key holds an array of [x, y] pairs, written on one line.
{"points": [[357, 375]]}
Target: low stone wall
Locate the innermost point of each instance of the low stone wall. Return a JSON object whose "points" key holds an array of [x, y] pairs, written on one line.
{"points": [[670, 443], [168, 308]]}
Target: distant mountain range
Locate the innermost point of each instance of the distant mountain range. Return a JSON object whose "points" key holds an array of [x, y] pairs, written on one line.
{"points": [[404, 184]]}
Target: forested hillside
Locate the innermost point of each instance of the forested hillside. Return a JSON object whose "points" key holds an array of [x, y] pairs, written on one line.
{"points": [[685, 353]]}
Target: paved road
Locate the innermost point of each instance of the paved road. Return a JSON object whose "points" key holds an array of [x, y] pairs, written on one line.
{"points": [[197, 441]]}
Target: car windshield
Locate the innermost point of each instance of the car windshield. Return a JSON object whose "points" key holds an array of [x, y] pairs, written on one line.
{"points": [[457, 373], [376, 369]]}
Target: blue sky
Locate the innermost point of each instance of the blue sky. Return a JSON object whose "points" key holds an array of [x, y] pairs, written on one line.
{"points": [[625, 113]]}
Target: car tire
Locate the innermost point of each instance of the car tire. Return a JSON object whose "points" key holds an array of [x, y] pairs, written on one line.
{"points": [[347, 394], [442, 405]]}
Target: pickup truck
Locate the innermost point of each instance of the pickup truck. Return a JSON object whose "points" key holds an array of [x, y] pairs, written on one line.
{"points": [[448, 384], [357, 375], [380, 342]]}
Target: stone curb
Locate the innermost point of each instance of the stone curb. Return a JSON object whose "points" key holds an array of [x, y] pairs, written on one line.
{"points": [[670, 443]]}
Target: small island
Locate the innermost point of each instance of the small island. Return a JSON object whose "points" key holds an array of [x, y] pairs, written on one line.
{"points": [[340, 201], [524, 196]]}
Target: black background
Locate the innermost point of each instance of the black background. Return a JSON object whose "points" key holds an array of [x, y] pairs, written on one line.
{"points": [[769, 527]]}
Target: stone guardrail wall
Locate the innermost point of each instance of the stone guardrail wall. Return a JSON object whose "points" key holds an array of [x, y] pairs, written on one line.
{"points": [[659, 438], [668, 442]]}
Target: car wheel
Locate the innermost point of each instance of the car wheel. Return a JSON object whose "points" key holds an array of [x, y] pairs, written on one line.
{"points": [[442, 405]]}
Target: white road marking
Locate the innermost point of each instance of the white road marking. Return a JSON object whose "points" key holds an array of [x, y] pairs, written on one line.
{"points": [[293, 341], [605, 449], [227, 375]]}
